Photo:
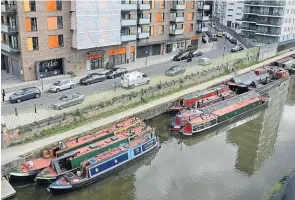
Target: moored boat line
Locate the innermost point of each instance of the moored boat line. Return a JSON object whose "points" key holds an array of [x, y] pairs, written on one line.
{"points": [[71, 161], [191, 99], [224, 111], [29, 169], [180, 119], [101, 165]]}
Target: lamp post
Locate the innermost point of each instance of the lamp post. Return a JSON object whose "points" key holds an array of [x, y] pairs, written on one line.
{"points": [[146, 51]]}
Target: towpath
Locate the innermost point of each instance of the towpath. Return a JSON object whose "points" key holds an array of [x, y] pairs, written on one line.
{"points": [[12, 153]]}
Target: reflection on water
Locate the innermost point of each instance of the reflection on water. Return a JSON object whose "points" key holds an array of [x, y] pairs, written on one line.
{"points": [[256, 139], [239, 161]]}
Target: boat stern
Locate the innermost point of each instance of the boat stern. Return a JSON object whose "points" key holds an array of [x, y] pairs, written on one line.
{"points": [[22, 175], [47, 175], [59, 186], [176, 123]]}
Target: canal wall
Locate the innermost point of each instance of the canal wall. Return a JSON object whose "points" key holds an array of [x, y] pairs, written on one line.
{"points": [[13, 156]]}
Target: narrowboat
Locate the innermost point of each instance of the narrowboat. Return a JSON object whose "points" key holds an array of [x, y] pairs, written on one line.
{"points": [[261, 80], [178, 121], [29, 169], [102, 165], [224, 111], [191, 99], [71, 161]]}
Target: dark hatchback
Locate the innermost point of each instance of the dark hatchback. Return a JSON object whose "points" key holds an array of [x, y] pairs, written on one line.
{"points": [[175, 70], [93, 78], [116, 72], [25, 94]]}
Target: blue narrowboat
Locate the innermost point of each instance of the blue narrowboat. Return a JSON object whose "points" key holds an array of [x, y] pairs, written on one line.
{"points": [[98, 167]]}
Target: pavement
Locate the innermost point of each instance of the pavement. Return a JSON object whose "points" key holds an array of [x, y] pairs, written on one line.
{"points": [[12, 153], [6, 189], [157, 65]]}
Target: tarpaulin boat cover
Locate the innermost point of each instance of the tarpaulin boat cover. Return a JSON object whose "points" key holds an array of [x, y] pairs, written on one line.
{"points": [[229, 102]]}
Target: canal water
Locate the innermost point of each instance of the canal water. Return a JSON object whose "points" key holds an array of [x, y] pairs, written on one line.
{"points": [[241, 160]]}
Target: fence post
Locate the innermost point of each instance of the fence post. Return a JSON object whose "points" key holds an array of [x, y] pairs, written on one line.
{"points": [[35, 108], [15, 111], [3, 95]]}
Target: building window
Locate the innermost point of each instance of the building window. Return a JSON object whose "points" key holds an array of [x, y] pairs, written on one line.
{"points": [[159, 17], [160, 30], [151, 30], [54, 23], [230, 9], [190, 16], [32, 43], [238, 14], [150, 17], [162, 17], [31, 24], [229, 15], [162, 4], [29, 5], [152, 4], [55, 41], [54, 5], [190, 27]]}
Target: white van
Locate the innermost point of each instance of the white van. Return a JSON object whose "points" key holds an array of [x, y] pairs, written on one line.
{"points": [[133, 79]]}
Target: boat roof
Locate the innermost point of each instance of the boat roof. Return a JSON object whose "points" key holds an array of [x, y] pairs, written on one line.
{"points": [[108, 141], [224, 110], [86, 138], [283, 59], [115, 151], [245, 78], [231, 101], [203, 92]]}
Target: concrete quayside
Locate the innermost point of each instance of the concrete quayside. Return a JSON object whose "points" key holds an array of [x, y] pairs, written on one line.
{"points": [[12, 156]]}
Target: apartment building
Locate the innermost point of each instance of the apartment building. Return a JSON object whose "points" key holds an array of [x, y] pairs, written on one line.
{"points": [[269, 21], [48, 38], [230, 13], [202, 16]]}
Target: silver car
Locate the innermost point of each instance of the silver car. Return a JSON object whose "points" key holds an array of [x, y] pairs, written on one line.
{"points": [[61, 85], [67, 101]]}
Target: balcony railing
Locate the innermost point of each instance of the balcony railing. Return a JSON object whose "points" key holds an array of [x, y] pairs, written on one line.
{"points": [[264, 13], [177, 19], [266, 3], [144, 6], [144, 21], [248, 28], [144, 35], [128, 22], [177, 7], [128, 7], [202, 18], [10, 29], [127, 38], [268, 32], [176, 32], [201, 30], [10, 48], [8, 8]]}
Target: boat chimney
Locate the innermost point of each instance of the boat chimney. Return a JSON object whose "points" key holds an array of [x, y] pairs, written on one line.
{"points": [[77, 140]]}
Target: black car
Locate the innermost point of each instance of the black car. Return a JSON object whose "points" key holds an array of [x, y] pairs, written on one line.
{"points": [[25, 94], [116, 72], [233, 40], [237, 47], [175, 70], [180, 56], [196, 53], [93, 78]]}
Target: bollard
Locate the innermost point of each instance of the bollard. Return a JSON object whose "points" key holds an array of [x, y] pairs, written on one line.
{"points": [[3, 95], [35, 108], [15, 111]]}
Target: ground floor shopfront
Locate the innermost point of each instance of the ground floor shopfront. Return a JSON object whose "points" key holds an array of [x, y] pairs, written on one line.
{"points": [[167, 47], [11, 65]]}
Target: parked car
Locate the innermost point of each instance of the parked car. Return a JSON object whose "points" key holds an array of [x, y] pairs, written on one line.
{"points": [[116, 72], [175, 70], [214, 37], [237, 47], [67, 101], [227, 35], [204, 61], [93, 78], [25, 94], [197, 53], [133, 79], [233, 40], [180, 56], [61, 85]]}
